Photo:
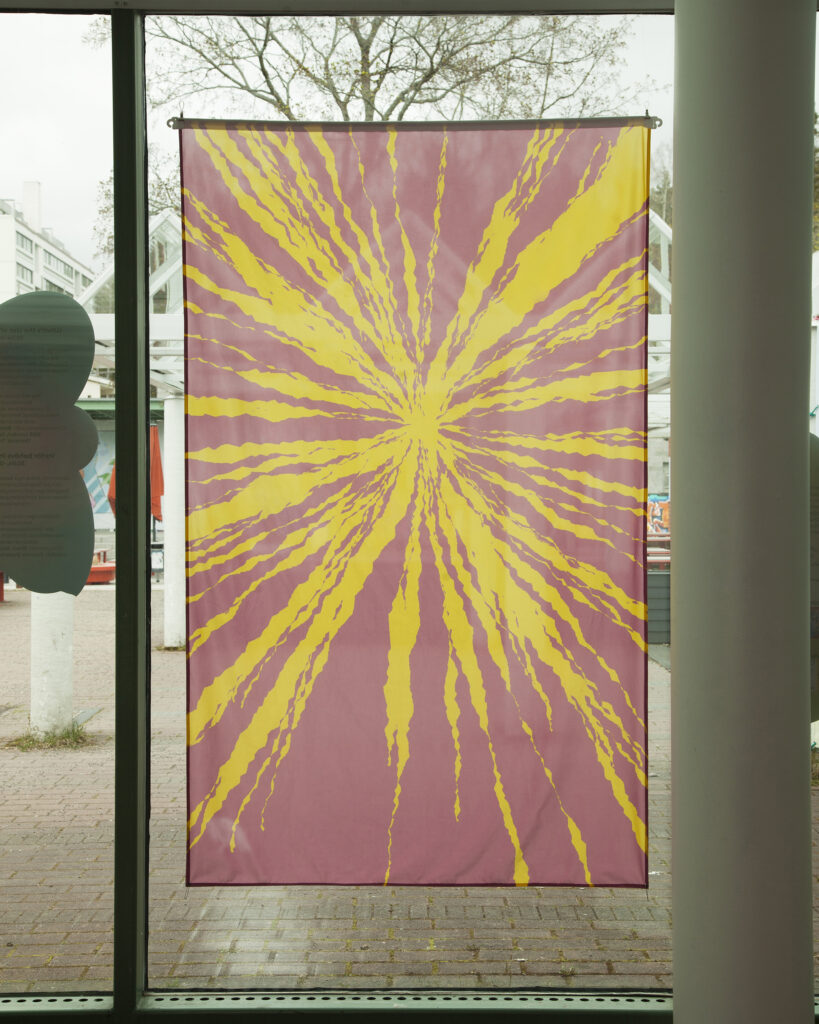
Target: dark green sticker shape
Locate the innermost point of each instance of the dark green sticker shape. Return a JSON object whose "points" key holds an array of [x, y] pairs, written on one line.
{"points": [[46, 520]]}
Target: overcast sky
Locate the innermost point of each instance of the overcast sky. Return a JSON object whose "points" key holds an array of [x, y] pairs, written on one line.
{"points": [[55, 118]]}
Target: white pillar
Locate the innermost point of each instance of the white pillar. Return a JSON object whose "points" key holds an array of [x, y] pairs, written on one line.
{"points": [[174, 522], [52, 655], [740, 364]]}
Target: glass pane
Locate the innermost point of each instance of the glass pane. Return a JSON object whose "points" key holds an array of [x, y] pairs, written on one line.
{"points": [[375, 937], [57, 689]]}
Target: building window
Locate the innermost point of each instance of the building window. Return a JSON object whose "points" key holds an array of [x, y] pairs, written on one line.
{"points": [[61, 267], [50, 286], [24, 243], [24, 274], [160, 300], [157, 255]]}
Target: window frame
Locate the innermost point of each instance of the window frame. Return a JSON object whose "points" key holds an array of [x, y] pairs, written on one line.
{"points": [[131, 999]]}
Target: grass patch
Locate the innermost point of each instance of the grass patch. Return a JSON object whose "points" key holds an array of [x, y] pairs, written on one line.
{"points": [[814, 766], [71, 738]]}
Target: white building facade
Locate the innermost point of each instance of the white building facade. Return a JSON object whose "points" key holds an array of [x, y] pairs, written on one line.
{"points": [[31, 257]]}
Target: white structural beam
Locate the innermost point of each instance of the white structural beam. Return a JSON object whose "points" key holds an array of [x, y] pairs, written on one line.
{"points": [[659, 372], [743, 167], [52, 662], [660, 284], [166, 332]]}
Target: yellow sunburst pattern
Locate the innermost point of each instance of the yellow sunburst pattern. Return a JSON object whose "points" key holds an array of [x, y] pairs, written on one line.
{"points": [[416, 444]]}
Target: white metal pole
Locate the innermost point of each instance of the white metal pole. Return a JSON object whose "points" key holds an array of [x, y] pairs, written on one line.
{"points": [[174, 522], [740, 597], [52, 656]]}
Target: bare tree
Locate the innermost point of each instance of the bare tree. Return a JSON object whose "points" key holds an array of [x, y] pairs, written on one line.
{"points": [[662, 181], [376, 69], [389, 68], [163, 194]]}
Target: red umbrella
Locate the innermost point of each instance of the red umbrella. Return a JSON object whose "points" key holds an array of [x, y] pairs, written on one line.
{"points": [[112, 489], [157, 479]]}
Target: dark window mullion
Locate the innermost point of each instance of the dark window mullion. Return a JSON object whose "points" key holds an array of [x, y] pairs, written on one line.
{"points": [[132, 599]]}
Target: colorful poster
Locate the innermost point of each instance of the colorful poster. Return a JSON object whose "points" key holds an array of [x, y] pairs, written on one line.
{"points": [[659, 514], [97, 474], [416, 466]]}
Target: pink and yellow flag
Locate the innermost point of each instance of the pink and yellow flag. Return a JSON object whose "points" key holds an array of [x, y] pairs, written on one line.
{"points": [[416, 458]]}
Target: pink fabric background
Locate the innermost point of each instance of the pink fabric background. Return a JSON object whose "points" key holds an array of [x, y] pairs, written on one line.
{"points": [[328, 817]]}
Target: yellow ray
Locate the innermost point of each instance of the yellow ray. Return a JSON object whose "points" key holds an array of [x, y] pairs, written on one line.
{"points": [[526, 393], [512, 551], [545, 550], [339, 513], [434, 245], [542, 147], [403, 625], [544, 475], [462, 640], [542, 507], [393, 342], [615, 443], [556, 490], [308, 659], [361, 259], [296, 452], [346, 527], [264, 408], [377, 391], [289, 226], [284, 455], [272, 495], [595, 216], [578, 321], [590, 482], [541, 633], [299, 323], [453, 714], [410, 262], [495, 590], [204, 556], [297, 387]]}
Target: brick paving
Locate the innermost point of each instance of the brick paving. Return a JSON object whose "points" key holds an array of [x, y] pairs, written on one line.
{"points": [[56, 872]]}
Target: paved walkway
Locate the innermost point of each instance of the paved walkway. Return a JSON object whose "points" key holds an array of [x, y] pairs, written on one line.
{"points": [[56, 870]]}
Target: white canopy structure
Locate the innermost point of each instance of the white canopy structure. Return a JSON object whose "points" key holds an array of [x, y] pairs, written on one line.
{"points": [[166, 323], [659, 327]]}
